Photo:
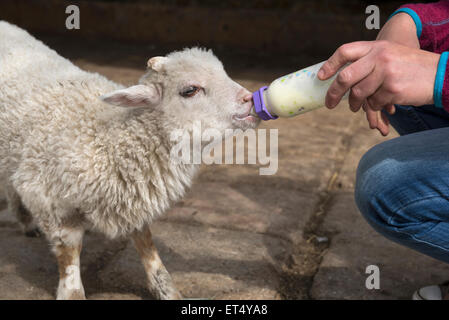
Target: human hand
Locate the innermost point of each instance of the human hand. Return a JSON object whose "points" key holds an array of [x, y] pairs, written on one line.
{"points": [[378, 119], [382, 74], [400, 29]]}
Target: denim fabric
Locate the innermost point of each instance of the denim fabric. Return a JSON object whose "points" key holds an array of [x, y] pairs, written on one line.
{"points": [[402, 185]]}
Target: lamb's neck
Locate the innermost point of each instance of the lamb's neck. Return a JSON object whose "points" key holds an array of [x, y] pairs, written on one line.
{"points": [[140, 146]]}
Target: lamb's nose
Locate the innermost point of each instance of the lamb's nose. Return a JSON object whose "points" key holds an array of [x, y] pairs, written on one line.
{"points": [[248, 97]]}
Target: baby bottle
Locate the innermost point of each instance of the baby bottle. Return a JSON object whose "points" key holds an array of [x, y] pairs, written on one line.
{"points": [[293, 94]]}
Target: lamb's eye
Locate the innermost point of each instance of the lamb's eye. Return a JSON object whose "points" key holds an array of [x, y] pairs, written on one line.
{"points": [[189, 91]]}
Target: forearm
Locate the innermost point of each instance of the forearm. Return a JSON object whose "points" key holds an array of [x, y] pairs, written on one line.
{"points": [[432, 24], [431, 27], [401, 29]]}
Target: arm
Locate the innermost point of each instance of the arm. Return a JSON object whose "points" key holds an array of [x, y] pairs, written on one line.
{"points": [[432, 30], [382, 73], [401, 29], [389, 81], [432, 24]]}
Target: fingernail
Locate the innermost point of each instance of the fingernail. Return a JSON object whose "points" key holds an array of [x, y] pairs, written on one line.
{"points": [[321, 73]]}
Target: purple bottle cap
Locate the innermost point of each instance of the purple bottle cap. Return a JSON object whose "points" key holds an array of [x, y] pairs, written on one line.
{"points": [[260, 107]]}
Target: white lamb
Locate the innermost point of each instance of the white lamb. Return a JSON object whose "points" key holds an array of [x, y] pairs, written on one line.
{"points": [[72, 162]]}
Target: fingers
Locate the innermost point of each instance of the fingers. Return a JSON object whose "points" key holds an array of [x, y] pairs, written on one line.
{"points": [[377, 120], [371, 116], [364, 89], [346, 53], [381, 99], [369, 89], [346, 79], [391, 109], [383, 124]]}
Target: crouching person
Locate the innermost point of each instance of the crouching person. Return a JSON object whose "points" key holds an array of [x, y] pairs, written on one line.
{"points": [[402, 186]]}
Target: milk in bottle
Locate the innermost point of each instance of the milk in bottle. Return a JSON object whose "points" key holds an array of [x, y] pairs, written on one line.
{"points": [[293, 94]]}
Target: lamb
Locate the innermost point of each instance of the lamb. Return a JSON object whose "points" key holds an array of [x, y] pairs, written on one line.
{"points": [[79, 152]]}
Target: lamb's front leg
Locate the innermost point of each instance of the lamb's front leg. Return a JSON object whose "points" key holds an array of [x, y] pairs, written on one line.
{"points": [[160, 283], [67, 248]]}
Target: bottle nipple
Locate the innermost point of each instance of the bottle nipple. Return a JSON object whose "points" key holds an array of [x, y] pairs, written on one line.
{"points": [[260, 107]]}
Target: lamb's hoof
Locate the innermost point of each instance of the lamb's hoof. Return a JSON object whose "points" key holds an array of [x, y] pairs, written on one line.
{"points": [[33, 233], [71, 295]]}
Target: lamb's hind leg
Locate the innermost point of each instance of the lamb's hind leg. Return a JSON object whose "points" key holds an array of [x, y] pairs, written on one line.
{"points": [[16, 207], [160, 283]]}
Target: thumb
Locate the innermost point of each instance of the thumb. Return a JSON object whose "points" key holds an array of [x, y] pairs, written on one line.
{"points": [[348, 52]]}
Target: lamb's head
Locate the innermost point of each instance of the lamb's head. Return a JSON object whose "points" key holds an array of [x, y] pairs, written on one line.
{"points": [[189, 86]]}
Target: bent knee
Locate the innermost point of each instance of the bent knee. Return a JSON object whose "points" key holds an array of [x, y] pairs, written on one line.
{"points": [[378, 179], [376, 174]]}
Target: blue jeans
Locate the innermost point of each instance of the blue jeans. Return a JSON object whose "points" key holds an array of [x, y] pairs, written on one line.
{"points": [[402, 186]]}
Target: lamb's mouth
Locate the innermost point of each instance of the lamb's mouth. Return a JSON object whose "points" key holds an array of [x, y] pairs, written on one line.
{"points": [[249, 116], [244, 117], [245, 121]]}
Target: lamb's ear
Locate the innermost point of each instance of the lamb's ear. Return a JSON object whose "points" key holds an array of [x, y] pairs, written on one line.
{"points": [[136, 96]]}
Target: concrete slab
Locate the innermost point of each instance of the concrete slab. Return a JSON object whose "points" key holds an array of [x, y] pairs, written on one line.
{"points": [[2, 198], [205, 262], [252, 206], [354, 246], [27, 267], [7, 219]]}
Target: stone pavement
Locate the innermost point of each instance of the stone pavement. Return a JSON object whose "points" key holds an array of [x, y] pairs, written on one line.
{"points": [[238, 235]]}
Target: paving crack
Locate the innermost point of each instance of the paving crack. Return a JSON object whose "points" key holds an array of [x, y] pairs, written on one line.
{"points": [[298, 270]]}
